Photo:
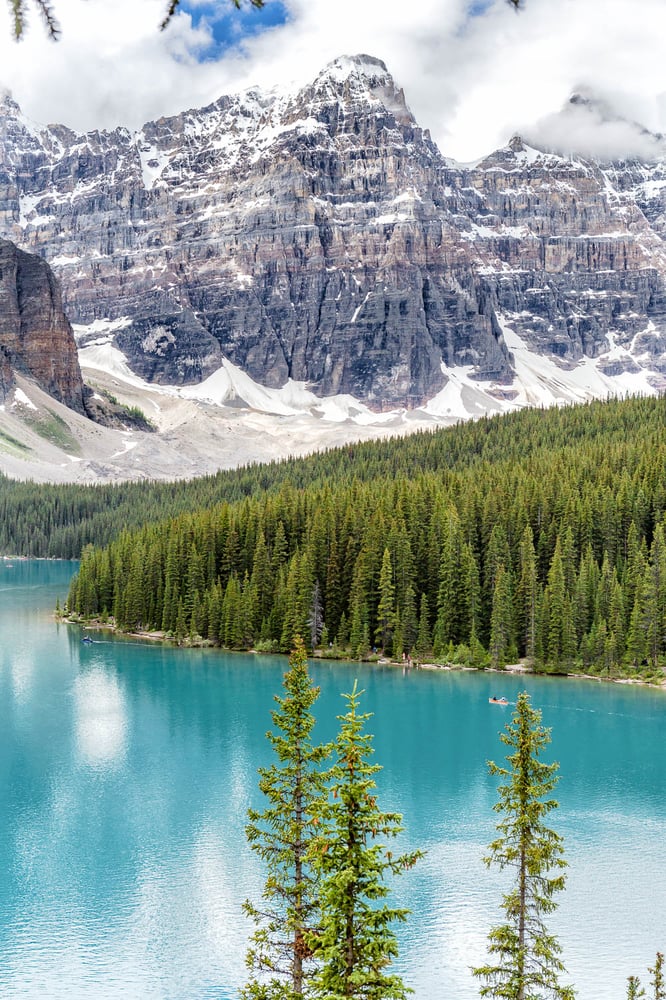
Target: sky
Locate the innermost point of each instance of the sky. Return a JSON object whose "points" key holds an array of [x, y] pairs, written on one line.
{"points": [[475, 72]]}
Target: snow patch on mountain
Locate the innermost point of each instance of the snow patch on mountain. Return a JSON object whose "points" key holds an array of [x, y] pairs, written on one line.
{"points": [[229, 385], [539, 381], [321, 235], [21, 399]]}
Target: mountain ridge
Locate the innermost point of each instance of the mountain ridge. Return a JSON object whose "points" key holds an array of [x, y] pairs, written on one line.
{"points": [[320, 237]]}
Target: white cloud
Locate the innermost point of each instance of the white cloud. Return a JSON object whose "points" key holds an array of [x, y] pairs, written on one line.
{"points": [[111, 66], [593, 128], [472, 81]]}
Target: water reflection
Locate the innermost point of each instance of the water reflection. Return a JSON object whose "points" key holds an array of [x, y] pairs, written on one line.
{"points": [[101, 722], [22, 670], [126, 771]]}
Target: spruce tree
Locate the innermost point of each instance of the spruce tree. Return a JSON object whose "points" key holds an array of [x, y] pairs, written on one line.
{"points": [[262, 577], [423, 641], [527, 595], [452, 624], [386, 606], [279, 957], [334, 595], [316, 616], [525, 960], [497, 555], [409, 620], [501, 624], [634, 988], [355, 942], [18, 10], [657, 981], [557, 607]]}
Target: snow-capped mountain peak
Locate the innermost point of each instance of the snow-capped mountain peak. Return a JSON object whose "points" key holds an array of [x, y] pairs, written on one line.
{"points": [[317, 237]]}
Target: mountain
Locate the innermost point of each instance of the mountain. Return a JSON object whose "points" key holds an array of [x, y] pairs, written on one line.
{"points": [[320, 237], [36, 338]]}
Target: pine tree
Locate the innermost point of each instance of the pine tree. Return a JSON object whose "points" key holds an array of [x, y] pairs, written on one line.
{"points": [[18, 11], [316, 616], [423, 640], [527, 595], [355, 942], [262, 577], [231, 632], [342, 635], [355, 628], [616, 629], [636, 643], [180, 628], [497, 555], [398, 642], [452, 621], [363, 647], [248, 612], [633, 569], [501, 624], [657, 981], [634, 988], [585, 591], [334, 598], [654, 593], [556, 594], [292, 608], [409, 620], [133, 612], [525, 958], [280, 547], [279, 957], [386, 606]]}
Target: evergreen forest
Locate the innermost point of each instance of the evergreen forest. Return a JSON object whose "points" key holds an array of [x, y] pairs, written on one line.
{"points": [[537, 535]]}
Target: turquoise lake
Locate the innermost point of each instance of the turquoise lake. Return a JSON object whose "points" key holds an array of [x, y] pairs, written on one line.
{"points": [[126, 770]]}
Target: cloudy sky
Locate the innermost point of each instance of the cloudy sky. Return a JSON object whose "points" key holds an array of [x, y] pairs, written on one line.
{"points": [[474, 71]]}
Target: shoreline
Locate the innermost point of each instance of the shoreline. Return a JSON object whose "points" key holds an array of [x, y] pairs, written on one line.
{"points": [[511, 669]]}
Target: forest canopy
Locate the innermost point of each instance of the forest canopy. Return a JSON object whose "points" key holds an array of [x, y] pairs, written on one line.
{"points": [[538, 535]]}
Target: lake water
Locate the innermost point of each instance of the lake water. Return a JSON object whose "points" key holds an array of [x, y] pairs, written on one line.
{"points": [[126, 771]]}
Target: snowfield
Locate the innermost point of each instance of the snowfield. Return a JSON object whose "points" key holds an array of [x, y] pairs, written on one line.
{"points": [[229, 420]]}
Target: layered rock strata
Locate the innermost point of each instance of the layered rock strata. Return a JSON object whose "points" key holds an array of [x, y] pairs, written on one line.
{"points": [[36, 338], [322, 236]]}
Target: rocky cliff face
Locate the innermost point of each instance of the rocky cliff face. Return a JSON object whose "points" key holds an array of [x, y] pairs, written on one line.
{"points": [[321, 236], [36, 338], [570, 260]]}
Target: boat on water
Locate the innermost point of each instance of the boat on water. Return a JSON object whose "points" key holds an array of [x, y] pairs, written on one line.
{"points": [[88, 641], [498, 701]]}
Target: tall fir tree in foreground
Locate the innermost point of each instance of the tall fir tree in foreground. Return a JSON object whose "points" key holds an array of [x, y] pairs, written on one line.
{"points": [[279, 958], [356, 943], [635, 990], [657, 981], [524, 958]]}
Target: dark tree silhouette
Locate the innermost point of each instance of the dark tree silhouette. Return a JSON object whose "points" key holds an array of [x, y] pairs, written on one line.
{"points": [[175, 4], [19, 12]]}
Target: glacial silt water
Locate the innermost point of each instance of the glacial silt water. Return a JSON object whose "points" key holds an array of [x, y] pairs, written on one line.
{"points": [[126, 770]]}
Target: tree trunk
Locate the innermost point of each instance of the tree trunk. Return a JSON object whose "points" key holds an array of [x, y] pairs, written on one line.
{"points": [[297, 967]]}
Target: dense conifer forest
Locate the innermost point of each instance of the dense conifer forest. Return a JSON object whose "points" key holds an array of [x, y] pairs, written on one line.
{"points": [[537, 535]]}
